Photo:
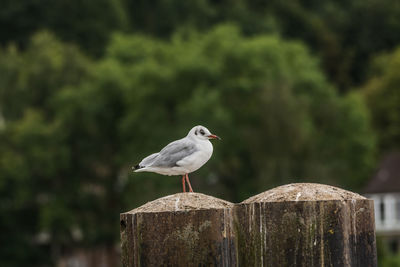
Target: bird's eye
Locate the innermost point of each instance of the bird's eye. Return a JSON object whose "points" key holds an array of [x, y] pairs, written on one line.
{"points": [[202, 131]]}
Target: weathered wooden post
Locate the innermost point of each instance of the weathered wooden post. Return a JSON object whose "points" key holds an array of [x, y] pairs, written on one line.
{"points": [[306, 225], [292, 225], [185, 229]]}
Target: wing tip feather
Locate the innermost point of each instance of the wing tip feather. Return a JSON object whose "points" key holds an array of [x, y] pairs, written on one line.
{"points": [[137, 167]]}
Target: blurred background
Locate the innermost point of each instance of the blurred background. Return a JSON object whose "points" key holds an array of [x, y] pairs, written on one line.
{"points": [[299, 91]]}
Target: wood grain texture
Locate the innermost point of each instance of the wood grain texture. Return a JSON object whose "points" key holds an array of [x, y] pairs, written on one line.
{"points": [[306, 233], [327, 227], [201, 237]]}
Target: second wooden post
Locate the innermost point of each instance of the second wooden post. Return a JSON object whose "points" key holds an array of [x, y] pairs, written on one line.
{"points": [[306, 225]]}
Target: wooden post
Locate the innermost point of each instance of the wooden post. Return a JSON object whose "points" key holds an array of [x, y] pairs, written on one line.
{"points": [[292, 225], [185, 229], [306, 225]]}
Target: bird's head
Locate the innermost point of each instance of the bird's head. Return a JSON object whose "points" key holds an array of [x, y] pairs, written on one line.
{"points": [[201, 133]]}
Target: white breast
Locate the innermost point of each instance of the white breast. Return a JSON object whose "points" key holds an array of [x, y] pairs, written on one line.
{"points": [[197, 159]]}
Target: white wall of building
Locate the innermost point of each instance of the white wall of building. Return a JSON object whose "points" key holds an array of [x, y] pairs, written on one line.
{"points": [[387, 211]]}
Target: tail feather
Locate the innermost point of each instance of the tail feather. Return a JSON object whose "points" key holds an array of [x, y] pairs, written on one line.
{"points": [[136, 167], [145, 162]]}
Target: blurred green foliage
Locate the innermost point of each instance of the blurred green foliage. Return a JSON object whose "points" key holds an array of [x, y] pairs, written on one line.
{"points": [[88, 23], [38, 185], [88, 88], [383, 97], [74, 127], [281, 118], [344, 34], [386, 258]]}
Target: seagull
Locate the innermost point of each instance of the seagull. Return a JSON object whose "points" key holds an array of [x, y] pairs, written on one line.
{"points": [[182, 156]]}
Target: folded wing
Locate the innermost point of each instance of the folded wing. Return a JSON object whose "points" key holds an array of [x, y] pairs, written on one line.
{"points": [[174, 152]]}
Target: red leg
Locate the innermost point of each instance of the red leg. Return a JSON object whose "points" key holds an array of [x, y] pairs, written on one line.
{"points": [[183, 183], [190, 186]]}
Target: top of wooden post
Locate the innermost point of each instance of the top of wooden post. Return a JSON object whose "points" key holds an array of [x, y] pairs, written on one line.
{"points": [[304, 192], [182, 202]]}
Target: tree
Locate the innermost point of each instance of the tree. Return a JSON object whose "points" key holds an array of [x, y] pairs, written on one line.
{"points": [[37, 186], [282, 121], [68, 146], [382, 95], [85, 23], [345, 35]]}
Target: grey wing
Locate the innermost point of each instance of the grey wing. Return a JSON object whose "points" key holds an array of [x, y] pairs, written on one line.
{"points": [[148, 160], [174, 152]]}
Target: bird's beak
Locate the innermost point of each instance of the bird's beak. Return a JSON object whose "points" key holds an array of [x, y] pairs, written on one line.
{"points": [[213, 136]]}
